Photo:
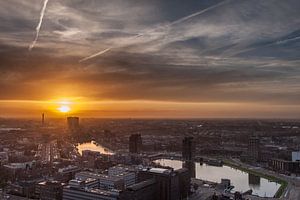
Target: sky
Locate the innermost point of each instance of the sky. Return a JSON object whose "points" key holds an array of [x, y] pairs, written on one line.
{"points": [[156, 59]]}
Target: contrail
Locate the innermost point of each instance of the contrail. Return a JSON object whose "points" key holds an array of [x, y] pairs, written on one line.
{"points": [[288, 40], [198, 13], [106, 50], [38, 28], [266, 45], [165, 26], [95, 55]]}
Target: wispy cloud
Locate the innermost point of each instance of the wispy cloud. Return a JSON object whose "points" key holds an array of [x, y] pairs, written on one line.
{"points": [[225, 51], [151, 31]]}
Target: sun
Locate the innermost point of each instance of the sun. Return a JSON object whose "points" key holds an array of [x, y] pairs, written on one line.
{"points": [[64, 108]]}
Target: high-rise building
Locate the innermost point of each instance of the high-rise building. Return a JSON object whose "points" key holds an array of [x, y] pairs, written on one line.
{"points": [[188, 149], [191, 167], [135, 143], [73, 124], [167, 182], [184, 182], [254, 149]]}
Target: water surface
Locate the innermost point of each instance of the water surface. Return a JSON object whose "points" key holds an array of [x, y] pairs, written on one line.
{"points": [[241, 180], [93, 146]]}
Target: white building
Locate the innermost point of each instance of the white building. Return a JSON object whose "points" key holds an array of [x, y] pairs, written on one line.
{"points": [[296, 156], [3, 158], [69, 169], [126, 174], [105, 181], [73, 193]]}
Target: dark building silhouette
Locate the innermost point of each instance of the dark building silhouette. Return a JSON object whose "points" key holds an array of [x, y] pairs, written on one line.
{"points": [[43, 119], [253, 180], [50, 190], [145, 190], [238, 196], [184, 182], [170, 184], [135, 143], [254, 149], [73, 124], [191, 167], [188, 149]]}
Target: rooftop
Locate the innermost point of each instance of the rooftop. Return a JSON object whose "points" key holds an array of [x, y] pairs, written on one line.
{"points": [[141, 185]]}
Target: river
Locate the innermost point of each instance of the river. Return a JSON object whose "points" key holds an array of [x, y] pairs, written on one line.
{"points": [[93, 146], [241, 181]]}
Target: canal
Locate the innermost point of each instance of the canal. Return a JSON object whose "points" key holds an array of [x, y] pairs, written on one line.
{"points": [[241, 181]]}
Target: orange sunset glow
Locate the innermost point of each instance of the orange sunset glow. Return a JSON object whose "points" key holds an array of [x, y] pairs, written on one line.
{"points": [[162, 62], [150, 99]]}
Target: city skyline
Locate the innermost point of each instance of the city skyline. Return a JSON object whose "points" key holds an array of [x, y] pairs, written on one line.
{"points": [[158, 59]]}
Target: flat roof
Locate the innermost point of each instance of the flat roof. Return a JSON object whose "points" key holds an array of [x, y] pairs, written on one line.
{"points": [[159, 170], [141, 185]]}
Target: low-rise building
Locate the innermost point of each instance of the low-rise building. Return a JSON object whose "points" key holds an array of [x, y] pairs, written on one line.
{"points": [[105, 181], [72, 193], [49, 190]]}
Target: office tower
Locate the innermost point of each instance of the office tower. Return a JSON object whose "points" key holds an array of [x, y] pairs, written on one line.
{"points": [[254, 149], [188, 149], [191, 167], [73, 124], [184, 182], [167, 182], [135, 143]]}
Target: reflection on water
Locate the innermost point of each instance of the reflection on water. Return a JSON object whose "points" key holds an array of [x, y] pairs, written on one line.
{"points": [[241, 180], [10, 129], [93, 146], [254, 180], [191, 166]]}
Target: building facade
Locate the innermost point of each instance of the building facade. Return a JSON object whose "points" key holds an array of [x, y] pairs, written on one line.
{"points": [[188, 149], [135, 143]]}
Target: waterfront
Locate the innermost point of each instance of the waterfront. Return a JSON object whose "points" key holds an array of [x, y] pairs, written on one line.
{"points": [[93, 146], [241, 180]]}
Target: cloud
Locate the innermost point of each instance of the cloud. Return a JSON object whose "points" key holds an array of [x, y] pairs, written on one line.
{"points": [[240, 51]]}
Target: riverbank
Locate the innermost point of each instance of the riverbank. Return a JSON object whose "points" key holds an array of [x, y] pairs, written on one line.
{"points": [[283, 183], [242, 181]]}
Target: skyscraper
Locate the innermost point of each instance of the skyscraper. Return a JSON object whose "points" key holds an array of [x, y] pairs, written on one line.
{"points": [[135, 143], [167, 182], [73, 124], [188, 149], [254, 149]]}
